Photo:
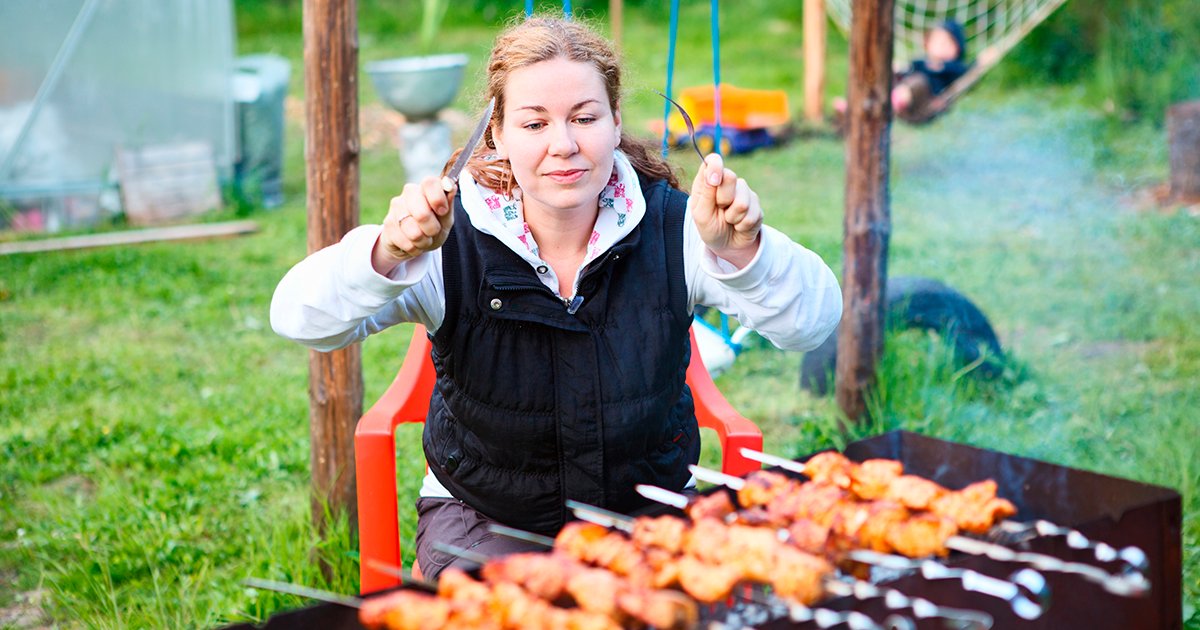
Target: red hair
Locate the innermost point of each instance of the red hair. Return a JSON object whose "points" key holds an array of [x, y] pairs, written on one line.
{"points": [[539, 39]]}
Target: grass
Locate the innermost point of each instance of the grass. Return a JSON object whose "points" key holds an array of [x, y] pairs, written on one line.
{"points": [[153, 442]]}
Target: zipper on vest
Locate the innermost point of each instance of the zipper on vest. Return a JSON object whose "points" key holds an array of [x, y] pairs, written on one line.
{"points": [[572, 304]]}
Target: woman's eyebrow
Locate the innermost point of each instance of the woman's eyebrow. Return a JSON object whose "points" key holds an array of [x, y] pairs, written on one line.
{"points": [[542, 109]]}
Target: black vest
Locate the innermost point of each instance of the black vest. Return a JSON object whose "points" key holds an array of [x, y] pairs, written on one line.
{"points": [[538, 401]]}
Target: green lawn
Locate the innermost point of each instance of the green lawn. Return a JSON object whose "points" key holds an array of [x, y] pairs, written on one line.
{"points": [[153, 430]]}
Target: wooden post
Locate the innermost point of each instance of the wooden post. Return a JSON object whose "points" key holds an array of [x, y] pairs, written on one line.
{"points": [[1183, 137], [331, 154], [815, 25], [616, 20], [867, 223]]}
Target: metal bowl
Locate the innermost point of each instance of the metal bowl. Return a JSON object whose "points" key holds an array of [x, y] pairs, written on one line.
{"points": [[418, 87]]}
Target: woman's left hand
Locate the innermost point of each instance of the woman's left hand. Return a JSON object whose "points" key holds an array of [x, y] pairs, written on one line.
{"points": [[726, 212]]}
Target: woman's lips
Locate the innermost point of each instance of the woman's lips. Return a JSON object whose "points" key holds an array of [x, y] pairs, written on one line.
{"points": [[566, 177]]}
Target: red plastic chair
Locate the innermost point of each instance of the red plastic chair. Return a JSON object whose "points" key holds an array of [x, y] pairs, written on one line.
{"points": [[407, 400]]}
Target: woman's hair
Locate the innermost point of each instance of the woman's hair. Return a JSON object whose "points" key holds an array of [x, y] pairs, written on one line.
{"points": [[538, 39]]}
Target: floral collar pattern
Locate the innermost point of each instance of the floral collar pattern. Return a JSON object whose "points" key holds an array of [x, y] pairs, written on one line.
{"points": [[621, 208]]}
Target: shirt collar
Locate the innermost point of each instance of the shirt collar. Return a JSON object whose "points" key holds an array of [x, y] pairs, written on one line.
{"points": [[621, 208]]}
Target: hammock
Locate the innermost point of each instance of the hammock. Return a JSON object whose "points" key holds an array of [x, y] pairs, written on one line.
{"points": [[995, 25]]}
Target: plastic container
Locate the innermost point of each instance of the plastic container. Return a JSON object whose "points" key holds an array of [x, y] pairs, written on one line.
{"points": [[259, 89]]}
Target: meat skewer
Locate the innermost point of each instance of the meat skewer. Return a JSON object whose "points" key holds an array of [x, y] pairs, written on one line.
{"points": [[658, 549], [931, 534], [970, 580], [464, 602], [1133, 557], [895, 600], [558, 577]]}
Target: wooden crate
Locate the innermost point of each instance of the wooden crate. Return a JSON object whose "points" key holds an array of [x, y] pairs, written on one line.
{"points": [[167, 182]]}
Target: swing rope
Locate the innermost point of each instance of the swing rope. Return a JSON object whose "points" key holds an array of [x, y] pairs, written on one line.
{"points": [[715, 15], [566, 8], [672, 39], [674, 32], [716, 58]]}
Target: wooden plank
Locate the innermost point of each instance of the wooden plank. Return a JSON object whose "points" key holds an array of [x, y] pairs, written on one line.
{"points": [[131, 237], [331, 151], [867, 224]]}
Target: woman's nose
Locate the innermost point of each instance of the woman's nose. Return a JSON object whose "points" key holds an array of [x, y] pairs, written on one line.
{"points": [[562, 141]]}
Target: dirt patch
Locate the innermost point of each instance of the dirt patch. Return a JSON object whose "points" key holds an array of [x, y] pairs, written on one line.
{"points": [[25, 609], [1158, 199], [74, 485], [1106, 349]]}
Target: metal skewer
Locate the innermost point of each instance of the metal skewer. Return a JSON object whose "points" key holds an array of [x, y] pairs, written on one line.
{"points": [[823, 617], [304, 591], [859, 589], [1008, 590], [687, 120], [473, 557], [1132, 582], [399, 572]]}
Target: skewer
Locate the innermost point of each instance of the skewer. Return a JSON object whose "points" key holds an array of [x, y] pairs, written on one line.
{"points": [[601, 516], [1132, 556], [399, 572], [1007, 590], [304, 591], [683, 612], [473, 557], [823, 617], [893, 598], [1132, 583]]}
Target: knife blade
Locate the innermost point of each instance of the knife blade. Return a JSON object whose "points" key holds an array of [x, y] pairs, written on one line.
{"points": [[451, 177]]}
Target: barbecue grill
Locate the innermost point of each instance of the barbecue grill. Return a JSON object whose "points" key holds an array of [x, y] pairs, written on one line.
{"points": [[1115, 511]]}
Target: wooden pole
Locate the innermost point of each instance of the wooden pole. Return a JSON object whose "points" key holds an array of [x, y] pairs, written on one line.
{"points": [[331, 154], [867, 223], [815, 24], [1183, 139], [616, 20]]}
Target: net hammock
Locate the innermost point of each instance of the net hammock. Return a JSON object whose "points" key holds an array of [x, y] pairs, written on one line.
{"points": [[994, 25]]}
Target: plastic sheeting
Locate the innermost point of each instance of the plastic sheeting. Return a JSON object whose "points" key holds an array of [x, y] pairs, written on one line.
{"points": [[78, 78]]}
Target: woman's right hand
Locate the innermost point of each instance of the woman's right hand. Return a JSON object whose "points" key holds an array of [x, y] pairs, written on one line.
{"points": [[418, 221]]}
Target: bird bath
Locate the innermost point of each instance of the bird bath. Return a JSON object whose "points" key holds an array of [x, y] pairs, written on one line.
{"points": [[419, 87]]}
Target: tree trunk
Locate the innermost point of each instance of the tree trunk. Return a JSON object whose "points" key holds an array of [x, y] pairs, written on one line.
{"points": [[814, 60], [867, 223], [1183, 136], [616, 20], [331, 154]]}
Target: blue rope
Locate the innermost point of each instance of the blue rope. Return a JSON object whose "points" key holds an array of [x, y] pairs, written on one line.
{"points": [[566, 8], [716, 48], [666, 144]]}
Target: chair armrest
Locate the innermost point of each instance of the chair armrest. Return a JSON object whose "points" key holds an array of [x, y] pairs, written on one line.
{"points": [[714, 412], [406, 400]]}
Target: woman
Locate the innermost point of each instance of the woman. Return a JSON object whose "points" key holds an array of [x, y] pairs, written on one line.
{"points": [[557, 282]]}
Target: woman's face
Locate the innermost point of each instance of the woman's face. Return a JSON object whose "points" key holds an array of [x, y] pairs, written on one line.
{"points": [[559, 134]]}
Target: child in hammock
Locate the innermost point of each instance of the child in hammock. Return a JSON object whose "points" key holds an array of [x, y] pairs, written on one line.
{"points": [[916, 88], [915, 91]]}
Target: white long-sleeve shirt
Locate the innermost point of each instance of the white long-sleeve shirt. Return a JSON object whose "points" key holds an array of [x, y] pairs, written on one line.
{"points": [[334, 297]]}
